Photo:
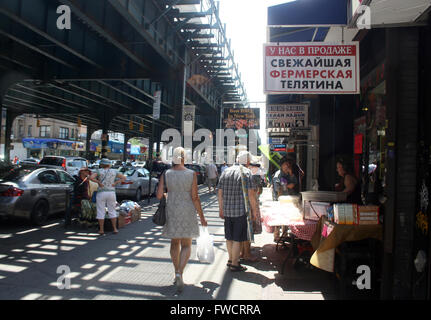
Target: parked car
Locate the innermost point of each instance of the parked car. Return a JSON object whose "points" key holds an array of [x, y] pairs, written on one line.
{"points": [[69, 164], [200, 171], [139, 164], [29, 161], [136, 184], [116, 164], [34, 193], [6, 166], [159, 167], [94, 164]]}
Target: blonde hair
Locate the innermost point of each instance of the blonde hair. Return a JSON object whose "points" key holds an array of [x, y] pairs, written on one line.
{"points": [[178, 155], [244, 157]]}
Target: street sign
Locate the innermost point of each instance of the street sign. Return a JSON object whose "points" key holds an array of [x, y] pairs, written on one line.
{"points": [[156, 105], [286, 116], [311, 68]]}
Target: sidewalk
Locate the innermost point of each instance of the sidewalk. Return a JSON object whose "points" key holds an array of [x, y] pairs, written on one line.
{"points": [[135, 264]]}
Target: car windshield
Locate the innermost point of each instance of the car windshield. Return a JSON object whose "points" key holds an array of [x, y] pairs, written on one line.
{"points": [[15, 175], [77, 163], [52, 161], [128, 172]]}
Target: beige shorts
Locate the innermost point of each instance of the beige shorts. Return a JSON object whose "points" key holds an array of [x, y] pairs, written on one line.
{"points": [[212, 182]]}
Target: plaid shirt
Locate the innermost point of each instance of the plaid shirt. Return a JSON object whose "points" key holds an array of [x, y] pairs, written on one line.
{"points": [[230, 184]]}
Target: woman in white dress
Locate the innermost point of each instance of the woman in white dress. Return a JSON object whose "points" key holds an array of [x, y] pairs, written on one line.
{"points": [[182, 204]]}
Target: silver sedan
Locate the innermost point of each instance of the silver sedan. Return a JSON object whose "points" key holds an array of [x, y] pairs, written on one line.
{"points": [[136, 184], [34, 193]]}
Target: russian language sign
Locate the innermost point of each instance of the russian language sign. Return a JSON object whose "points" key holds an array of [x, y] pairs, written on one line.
{"points": [[308, 68], [281, 116], [241, 118]]}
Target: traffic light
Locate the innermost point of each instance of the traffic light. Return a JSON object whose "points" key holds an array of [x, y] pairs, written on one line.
{"points": [[141, 128], [79, 122], [38, 123], [130, 125]]}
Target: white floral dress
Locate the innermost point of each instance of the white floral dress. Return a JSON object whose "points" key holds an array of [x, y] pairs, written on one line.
{"points": [[181, 215]]}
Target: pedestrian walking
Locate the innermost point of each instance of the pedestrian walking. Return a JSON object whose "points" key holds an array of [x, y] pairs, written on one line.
{"points": [[212, 174], [107, 179], [224, 167], [182, 204], [236, 197]]}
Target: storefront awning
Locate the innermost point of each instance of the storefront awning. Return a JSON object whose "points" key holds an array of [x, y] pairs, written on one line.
{"points": [[305, 20]]}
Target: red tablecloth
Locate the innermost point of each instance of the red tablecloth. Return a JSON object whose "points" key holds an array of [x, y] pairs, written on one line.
{"points": [[290, 216]]}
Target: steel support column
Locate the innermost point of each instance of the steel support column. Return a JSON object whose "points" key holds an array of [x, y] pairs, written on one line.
{"points": [[126, 140], [106, 120], [90, 131], [10, 117]]}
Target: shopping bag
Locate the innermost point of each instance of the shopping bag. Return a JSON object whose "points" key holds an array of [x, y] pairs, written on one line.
{"points": [[257, 224], [205, 246]]}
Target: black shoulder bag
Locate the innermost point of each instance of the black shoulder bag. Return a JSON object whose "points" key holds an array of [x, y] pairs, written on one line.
{"points": [[159, 217]]}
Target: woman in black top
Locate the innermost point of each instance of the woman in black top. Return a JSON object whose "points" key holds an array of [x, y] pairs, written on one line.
{"points": [[348, 183]]}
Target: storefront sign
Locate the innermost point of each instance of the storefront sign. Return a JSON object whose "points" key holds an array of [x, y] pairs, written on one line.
{"points": [[188, 119], [282, 116], [136, 150], [278, 147], [304, 68], [358, 143], [241, 118], [156, 105]]}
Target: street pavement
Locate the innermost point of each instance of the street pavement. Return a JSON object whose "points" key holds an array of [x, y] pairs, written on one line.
{"points": [[135, 264]]}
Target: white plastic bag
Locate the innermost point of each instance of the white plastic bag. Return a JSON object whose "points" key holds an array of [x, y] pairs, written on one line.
{"points": [[205, 246]]}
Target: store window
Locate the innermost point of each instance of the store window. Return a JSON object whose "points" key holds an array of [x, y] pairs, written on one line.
{"points": [[30, 131], [371, 127], [64, 133], [45, 131], [20, 131]]}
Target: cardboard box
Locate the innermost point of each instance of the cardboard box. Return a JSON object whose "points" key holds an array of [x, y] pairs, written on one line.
{"points": [[123, 221], [368, 215], [339, 215], [314, 210], [136, 215], [350, 214]]}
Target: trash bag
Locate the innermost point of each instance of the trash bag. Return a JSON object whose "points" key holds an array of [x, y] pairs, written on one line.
{"points": [[205, 246]]}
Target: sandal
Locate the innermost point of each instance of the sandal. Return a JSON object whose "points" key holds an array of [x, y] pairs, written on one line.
{"points": [[229, 263], [237, 268]]}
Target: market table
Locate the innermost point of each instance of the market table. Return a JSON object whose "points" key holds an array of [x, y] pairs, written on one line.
{"points": [[323, 257], [275, 213]]}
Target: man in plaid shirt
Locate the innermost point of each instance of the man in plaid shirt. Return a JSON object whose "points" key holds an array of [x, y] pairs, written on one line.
{"points": [[232, 207]]}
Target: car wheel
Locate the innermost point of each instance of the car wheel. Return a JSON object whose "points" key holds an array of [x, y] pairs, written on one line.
{"points": [[138, 195], [39, 213]]}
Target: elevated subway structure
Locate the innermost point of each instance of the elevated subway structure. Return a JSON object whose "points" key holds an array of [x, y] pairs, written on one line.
{"points": [[105, 69]]}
